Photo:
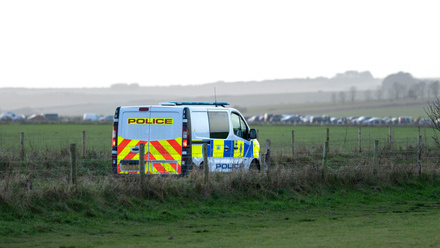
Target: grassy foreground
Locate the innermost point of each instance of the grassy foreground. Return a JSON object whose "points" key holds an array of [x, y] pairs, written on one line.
{"points": [[407, 225], [292, 206], [336, 212]]}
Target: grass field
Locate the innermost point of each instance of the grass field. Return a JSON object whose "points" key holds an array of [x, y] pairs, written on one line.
{"points": [[382, 108], [343, 138], [403, 216], [55, 136], [292, 206], [98, 136]]}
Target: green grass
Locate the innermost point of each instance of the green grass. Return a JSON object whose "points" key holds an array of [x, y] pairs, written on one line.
{"points": [[402, 216], [98, 136], [55, 136], [416, 111], [297, 207], [342, 138], [383, 108]]}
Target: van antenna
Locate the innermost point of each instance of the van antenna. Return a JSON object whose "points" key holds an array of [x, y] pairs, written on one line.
{"points": [[215, 96]]}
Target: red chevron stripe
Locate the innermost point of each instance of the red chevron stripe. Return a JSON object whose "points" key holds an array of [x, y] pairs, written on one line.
{"points": [[159, 167], [123, 144], [150, 156], [161, 150], [130, 155], [176, 146]]}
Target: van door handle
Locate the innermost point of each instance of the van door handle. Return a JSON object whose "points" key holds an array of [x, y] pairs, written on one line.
{"points": [[235, 147], [135, 149], [226, 148]]}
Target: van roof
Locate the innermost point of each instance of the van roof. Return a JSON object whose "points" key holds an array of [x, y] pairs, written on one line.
{"points": [[195, 103]]}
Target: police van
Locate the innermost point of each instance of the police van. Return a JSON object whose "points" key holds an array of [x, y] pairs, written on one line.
{"points": [[170, 132]]}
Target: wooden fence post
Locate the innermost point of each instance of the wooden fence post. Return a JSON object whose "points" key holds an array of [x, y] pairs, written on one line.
{"points": [[293, 143], [205, 162], [418, 130], [267, 158], [324, 159], [142, 165], [22, 154], [360, 139], [267, 154], [376, 142], [84, 144], [8, 174], [419, 155], [73, 164], [390, 136], [205, 157], [328, 138]]}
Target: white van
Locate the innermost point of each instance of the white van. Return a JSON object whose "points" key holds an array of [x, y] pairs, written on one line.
{"points": [[90, 117], [168, 131]]}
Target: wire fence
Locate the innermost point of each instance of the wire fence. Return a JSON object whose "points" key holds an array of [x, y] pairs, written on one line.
{"points": [[33, 160]]}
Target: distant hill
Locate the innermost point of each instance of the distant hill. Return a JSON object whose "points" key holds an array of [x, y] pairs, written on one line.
{"points": [[76, 101], [404, 85], [340, 82]]}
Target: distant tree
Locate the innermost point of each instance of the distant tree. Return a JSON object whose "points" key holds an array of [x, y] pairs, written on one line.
{"points": [[433, 111], [398, 90], [367, 95], [352, 93], [434, 87], [404, 79], [421, 88], [379, 93], [119, 85], [342, 96], [412, 93], [334, 98]]}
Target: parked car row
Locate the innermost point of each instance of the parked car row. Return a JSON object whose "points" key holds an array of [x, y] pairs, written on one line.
{"points": [[96, 117], [12, 116], [352, 120]]}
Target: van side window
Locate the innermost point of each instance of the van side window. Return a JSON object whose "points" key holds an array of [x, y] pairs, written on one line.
{"points": [[218, 125], [239, 126]]}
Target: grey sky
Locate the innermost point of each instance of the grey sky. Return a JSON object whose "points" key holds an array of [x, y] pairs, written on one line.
{"points": [[98, 43]]}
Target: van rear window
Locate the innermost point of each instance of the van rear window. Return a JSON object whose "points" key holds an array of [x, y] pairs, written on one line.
{"points": [[218, 125]]}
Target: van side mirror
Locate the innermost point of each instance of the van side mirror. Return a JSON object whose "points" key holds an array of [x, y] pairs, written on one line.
{"points": [[253, 134]]}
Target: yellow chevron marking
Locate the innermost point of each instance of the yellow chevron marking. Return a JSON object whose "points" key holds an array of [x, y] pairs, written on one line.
{"points": [[218, 148], [171, 150], [126, 150], [197, 151], [167, 166], [256, 148], [156, 154], [238, 153]]}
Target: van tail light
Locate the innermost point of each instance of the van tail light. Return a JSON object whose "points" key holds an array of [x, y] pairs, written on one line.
{"points": [[114, 136], [185, 136], [115, 148], [115, 141]]}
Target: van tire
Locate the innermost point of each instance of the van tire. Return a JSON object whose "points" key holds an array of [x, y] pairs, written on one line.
{"points": [[187, 169], [255, 166]]}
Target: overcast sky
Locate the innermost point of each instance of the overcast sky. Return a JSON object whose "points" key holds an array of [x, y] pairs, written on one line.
{"points": [[98, 43]]}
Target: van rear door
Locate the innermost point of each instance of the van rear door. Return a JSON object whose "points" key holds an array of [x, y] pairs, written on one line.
{"points": [[160, 129], [165, 140]]}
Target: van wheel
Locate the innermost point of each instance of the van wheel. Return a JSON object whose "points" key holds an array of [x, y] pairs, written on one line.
{"points": [[187, 169], [255, 166]]}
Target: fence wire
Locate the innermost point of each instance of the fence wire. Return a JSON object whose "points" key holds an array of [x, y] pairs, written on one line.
{"points": [[37, 160]]}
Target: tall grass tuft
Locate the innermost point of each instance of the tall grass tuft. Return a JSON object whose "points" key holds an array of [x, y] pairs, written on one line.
{"points": [[40, 184]]}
